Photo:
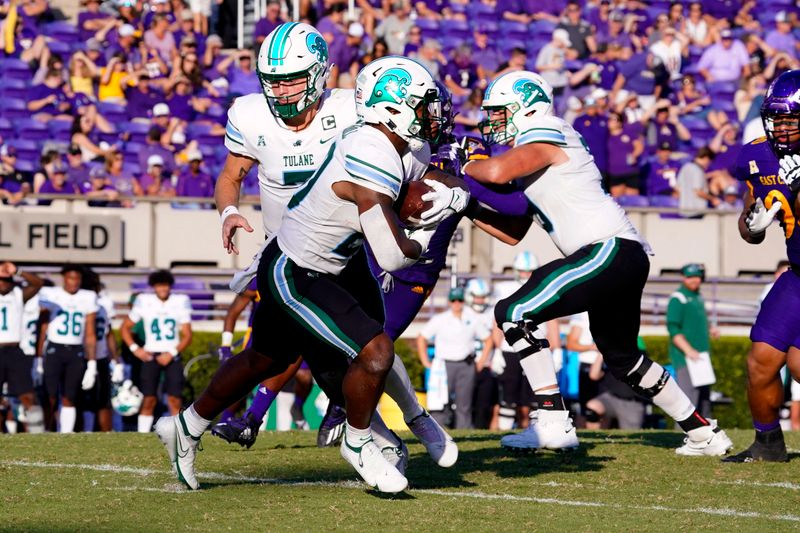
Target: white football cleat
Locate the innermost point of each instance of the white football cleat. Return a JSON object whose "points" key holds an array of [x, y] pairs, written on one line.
{"points": [[441, 447], [547, 429], [708, 440], [373, 467], [181, 447]]}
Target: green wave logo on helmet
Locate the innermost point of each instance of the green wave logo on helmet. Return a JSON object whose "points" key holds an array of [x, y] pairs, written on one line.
{"points": [[391, 87], [530, 93], [316, 45]]}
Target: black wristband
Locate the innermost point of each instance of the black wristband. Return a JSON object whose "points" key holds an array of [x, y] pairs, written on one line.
{"points": [[473, 208]]}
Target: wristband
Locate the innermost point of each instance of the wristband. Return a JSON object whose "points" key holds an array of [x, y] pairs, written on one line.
{"points": [[133, 347], [228, 211], [173, 352], [227, 339]]}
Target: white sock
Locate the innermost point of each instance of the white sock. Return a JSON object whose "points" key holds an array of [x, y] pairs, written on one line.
{"points": [[506, 418], [11, 427], [196, 424], [399, 389], [144, 423], [357, 437], [383, 435], [66, 419]]}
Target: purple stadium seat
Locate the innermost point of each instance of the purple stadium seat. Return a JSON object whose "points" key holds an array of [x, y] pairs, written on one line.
{"points": [[427, 24], [60, 128], [33, 130], [25, 165], [14, 109], [133, 168], [479, 12], [632, 201], [195, 130], [541, 27], [26, 149], [114, 113], [201, 301], [663, 201], [110, 138], [6, 129], [61, 48], [455, 28], [489, 26], [513, 30], [139, 286], [13, 88], [133, 148], [17, 69], [510, 43], [62, 31]]}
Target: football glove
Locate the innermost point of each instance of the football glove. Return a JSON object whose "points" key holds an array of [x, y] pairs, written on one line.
{"points": [[790, 172], [759, 218], [90, 375], [117, 372], [498, 365], [446, 202], [224, 353]]}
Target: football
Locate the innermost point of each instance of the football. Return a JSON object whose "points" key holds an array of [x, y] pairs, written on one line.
{"points": [[410, 205]]}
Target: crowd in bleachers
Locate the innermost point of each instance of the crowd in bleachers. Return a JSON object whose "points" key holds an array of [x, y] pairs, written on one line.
{"points": [[132, 99]]}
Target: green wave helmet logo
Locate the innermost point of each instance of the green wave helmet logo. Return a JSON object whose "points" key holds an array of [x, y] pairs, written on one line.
{"points": [[529, 92], [391, 87], [317, 46]]}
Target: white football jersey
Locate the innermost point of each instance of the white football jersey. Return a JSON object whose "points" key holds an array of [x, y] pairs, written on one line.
{"points": [[30, 323], [568, 199], [486, 320], [162, 320], [320, 231], [504, 289], [11, 319], [68, 313], [105, 313], [286, 158]]}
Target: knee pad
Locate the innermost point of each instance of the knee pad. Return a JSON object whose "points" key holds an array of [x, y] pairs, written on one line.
{"points": [[591, 415], [647, 378], [520, 335]]}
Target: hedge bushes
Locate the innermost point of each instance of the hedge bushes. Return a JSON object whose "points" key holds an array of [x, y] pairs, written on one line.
{"points": [[728, 355]]}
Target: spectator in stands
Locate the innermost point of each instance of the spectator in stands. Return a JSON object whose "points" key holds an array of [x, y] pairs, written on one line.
{"points": [[551, 59], [593, 126], [57, 183], [731, 199], [670, 50], [580, 31], [460, 75], [695, 26], [431, 57], [153, 147], [749, 97], [471, 113], [13, 183], [46, 100], [128, 13], [379, 49], [212, 57], [662, 172], [141, 97], [154, 181], [600, 18], [201, 9], [82, 73], [694, 103], [194, 181], [182, 104], [725, 61], [124, 45], [414, 41], [47, 62], [637, 76], [745, 19], [690, 334], [158, 8], [726, 146], [98, 187], [430, 9], [485, 54], [169, 127], [241, 77], [625, 142], [356, 45], [91, 19], [123, 181], [85, 136], [271, 20], [114, 78], [334, 29], [394, 29], [94, 51], [693, 185], [516, 61], [617, 35], [758, 51], [48, 161], [77, 169], [160, 39], [781, 38], [662, 125]]}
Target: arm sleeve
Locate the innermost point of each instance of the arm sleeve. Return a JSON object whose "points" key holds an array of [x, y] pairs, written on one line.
{"points": [[136, 310], [234, 139], [674, 316], [508, 200]]}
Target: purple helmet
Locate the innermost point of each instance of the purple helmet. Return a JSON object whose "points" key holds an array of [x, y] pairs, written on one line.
{"points": [[448, 116], [780, 114]]}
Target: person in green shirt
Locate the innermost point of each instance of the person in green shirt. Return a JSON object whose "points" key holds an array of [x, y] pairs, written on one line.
{"points": [[689, 333]]}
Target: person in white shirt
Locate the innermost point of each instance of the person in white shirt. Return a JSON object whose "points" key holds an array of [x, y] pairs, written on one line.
{"points": [[68, 317], [168, 331], [15, 365], [454, 333]]}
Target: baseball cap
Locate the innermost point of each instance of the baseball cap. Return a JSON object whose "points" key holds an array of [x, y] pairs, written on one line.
{"points": [[74, 149], [598, 93], [161, 110], [782, 16], [726, 34], [155, 160], [98, 173], [59, 168], [666, 145], [617, 16], [213, 39], [355, 29], [186, 14], [693, 270], [126, 30], [94, 45], [432, 43], [194, 155], [562, 35], [731, 189], [8, 151], [456, 294]]}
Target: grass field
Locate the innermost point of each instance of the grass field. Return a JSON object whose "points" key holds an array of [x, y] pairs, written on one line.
{"points": [[616, 482]]}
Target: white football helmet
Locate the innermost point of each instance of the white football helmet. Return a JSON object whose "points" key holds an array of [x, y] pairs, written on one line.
{"points": [[292, 51], [127, 399], [477, 294], [402, 95], [512, 102], [524, 262]]}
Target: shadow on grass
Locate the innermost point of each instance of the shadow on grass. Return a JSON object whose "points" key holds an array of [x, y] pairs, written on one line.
{"points": [[657, 439]]}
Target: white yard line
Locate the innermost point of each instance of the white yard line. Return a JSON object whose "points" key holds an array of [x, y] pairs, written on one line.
{"points": [[217, 476]]}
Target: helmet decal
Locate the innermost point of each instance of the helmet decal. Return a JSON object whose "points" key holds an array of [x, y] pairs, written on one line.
{"points": [[529, 92], [391, 87], [316, 45]]}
